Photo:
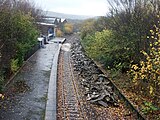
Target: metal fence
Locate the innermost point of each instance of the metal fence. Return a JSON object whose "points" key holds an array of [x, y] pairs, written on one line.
{"points": [[31, 51]]}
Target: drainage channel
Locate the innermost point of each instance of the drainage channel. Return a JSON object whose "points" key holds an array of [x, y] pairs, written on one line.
{"points": [[120, 94]]}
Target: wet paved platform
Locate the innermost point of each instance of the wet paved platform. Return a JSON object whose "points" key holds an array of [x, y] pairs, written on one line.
{"points": [[31, 104]]}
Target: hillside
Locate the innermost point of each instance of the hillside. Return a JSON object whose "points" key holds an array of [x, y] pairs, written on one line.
{"points": [[67, 16]]}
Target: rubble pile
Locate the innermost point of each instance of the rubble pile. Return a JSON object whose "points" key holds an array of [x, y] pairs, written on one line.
{"points": [[96, 85]]}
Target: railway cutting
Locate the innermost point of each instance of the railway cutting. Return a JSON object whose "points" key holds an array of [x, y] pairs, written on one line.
{"points": [[84, 92]]}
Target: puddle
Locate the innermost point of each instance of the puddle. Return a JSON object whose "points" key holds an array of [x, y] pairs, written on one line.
{"points": [[66, 47]]}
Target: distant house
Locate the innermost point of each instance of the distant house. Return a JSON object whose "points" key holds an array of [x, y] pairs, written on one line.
{"points": [[63, 21], [57, 21]]}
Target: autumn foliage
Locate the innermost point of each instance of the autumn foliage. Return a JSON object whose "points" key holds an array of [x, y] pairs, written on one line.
{"points": [[146, 74], [128, 39], [68, 28], [59, 33], [18, 34]]}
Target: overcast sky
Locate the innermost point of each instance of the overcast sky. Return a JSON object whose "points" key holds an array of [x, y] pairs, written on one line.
{"points": [[77, 7]]}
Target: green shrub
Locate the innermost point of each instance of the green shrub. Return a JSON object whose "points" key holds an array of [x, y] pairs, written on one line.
{"points": [[148, 107], [1, 82], [14, 65], [18, 34]]}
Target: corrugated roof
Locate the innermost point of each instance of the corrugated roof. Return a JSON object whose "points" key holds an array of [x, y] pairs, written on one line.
{"points": [[47, 24]]}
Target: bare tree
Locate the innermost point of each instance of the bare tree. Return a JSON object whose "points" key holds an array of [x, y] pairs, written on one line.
{"points": [[133, 19]]}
